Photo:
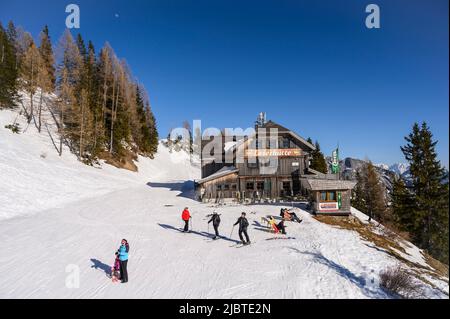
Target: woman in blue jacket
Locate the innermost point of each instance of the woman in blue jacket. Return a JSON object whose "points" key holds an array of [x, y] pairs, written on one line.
{"points": [[123, 258]]}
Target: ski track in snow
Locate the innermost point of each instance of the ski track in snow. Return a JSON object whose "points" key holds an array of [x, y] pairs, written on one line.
{"points": [[55, 212]]}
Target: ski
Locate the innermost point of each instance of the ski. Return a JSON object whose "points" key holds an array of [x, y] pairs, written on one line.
{"points": [[241, 245], [277, 238]]}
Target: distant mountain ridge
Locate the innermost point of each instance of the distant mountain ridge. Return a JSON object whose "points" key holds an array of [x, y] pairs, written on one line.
{"points": [[349, 166]]}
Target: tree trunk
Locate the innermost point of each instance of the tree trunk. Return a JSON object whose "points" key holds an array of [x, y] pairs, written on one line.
{"points": [[81, 127], [111, 139], [39, 115], [61, 126], [31, 94], [31, 108]]}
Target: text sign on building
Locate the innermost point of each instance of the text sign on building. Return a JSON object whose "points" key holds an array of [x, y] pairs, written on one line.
{"points": [[288, 152], [328, 206]]}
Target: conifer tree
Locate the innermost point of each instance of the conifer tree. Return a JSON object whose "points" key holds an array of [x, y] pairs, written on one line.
{"points": [[429, 218], [374, 193], [368, 195], [358, 193], [29, 72], [13, 39], [46, 52], [402, 205], [8, 71], [318, 162], [69, 72]]}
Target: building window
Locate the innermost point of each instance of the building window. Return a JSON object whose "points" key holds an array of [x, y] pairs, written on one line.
{"points": [[253, 163], [260, 186], [286, 142], [226, 187], [233, 187], [286, 186], [219, 187], [250, 186], [327, 196]]}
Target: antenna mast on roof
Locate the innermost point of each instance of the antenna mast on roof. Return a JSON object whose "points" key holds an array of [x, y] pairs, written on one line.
{"points": [[261, 120]]}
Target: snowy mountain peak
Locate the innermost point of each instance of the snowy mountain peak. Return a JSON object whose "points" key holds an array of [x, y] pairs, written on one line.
{"points": [[399, 168], [383, 166]]}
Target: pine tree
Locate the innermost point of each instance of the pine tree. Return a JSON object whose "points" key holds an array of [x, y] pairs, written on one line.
{"points": [[93, 90], [46, 52], [358, 193], [8, 71], [368, 195], [402, 205], [29, 71], [151, 124], [69, 73], [374, 193], [318, 162], [13, 39], [430, 192]]}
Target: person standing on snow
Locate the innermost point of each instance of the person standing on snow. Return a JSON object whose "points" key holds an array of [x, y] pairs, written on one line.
{"points": [[186, 216], [215, 219], [123, 258], [243, 224]]}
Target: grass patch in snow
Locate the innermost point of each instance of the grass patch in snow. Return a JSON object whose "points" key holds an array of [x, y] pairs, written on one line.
{"points": [[399, 282], [440, 268]]}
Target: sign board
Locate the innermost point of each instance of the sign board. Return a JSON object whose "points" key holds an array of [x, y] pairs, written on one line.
{"points": [[328, 206], [275, 152]]}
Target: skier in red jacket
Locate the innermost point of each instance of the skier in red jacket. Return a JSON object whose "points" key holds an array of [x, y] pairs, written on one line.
{"points": [[186, 216]]}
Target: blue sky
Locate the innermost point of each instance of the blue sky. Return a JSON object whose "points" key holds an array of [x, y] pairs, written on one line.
{"points": [[313, 66]]}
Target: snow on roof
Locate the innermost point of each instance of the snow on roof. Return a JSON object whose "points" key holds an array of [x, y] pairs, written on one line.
{"points": [[228, 146], [224, 171]]}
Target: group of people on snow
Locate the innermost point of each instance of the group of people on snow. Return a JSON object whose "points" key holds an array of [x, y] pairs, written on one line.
{"points": [[285, 215], [215, 220], [119, 270]]}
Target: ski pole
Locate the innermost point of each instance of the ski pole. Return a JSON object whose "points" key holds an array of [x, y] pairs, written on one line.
{"points": [[231, 231], [190, 219]]}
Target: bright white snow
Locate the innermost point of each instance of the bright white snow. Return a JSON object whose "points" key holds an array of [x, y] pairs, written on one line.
{"points": [[57, 215]]}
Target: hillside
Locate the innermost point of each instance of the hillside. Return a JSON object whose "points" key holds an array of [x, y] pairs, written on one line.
{"points": [[62, 215]]}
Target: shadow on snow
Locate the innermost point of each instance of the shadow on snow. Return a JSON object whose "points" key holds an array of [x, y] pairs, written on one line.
{"points": [[359, 281], [202, 234], [185, 189], [97, 264]]}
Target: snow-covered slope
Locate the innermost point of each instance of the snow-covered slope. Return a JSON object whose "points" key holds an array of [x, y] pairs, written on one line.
{"points": [[34, 177], [62, 220]]}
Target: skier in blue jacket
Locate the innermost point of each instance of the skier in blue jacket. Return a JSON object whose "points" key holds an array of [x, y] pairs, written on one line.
{"points": [[123, 257]]}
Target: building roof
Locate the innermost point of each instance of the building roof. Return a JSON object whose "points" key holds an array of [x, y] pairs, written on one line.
{"points": [[224, 171], [282, 129], [318, 184], [270, 124]]}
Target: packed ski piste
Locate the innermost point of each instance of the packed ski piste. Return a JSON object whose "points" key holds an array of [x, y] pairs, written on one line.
{"points": [[75, 231]]}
